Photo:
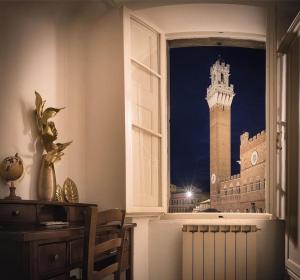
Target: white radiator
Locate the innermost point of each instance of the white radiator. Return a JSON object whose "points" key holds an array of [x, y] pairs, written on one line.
{"points": [[219, 252]]}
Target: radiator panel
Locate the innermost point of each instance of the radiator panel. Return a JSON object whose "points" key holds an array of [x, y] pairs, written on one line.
{"points": [[213, 252], [241, 255], [220, 257], [198, 259], [187, 255], [251, 255], [209, 257], [230, 255]]}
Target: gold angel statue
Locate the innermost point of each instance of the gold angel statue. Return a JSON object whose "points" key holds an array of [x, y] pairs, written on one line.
{"points": [[48, 130], [54, 151]]}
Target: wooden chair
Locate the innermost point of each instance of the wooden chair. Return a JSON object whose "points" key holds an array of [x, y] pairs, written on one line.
{"points": [[104, 258]]}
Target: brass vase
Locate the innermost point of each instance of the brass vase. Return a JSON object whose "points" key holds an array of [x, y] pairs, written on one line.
{"points": [[47, 181]]}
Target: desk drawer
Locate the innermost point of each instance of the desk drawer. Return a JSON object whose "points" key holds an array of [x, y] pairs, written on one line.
{"points": [[52, 257], [17, 213]]}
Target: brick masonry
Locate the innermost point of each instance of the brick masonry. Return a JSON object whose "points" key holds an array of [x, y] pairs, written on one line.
{"points": [[244, 192]]}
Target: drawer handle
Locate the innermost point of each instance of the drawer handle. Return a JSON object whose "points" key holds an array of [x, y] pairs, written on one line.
{"points": [[16, 213], [55, 258]]}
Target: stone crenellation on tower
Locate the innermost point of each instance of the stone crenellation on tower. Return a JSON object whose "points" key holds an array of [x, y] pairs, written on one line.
{"points": [[244, 192], [247, 143]]}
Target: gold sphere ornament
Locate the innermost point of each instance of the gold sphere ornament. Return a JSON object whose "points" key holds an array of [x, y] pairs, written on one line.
{"points": [[11, 169]]}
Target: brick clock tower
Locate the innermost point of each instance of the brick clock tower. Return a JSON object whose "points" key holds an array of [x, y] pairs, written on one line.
{"points": [[219, 98]]}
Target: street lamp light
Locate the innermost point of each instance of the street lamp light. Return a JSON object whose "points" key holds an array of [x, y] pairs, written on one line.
{"points": [[188, 193]]}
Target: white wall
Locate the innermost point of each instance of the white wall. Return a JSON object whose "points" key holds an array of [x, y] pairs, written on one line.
{"points": [[141, 248], [105, 115], [43, 48], [28, 63], [73, 56]]}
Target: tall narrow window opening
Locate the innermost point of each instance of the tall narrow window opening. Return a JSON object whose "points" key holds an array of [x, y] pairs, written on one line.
{"points": [[217, 129]]}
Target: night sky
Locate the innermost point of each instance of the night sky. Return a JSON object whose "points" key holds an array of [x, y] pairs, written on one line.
{"points": [[189, 113]]}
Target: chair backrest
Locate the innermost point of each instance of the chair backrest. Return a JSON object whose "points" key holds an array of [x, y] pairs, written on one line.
{"points": [[111, 216], [94, 219]]}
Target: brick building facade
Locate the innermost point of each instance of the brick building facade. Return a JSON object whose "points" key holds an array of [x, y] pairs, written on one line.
{"points": [[245, 192]]}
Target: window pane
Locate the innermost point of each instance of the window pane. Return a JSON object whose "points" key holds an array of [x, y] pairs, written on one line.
{"points": [[217, 129], [144, 45], [146, 168], [145, 99]]}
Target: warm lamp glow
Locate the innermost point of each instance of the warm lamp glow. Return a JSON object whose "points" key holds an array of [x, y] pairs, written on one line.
{"points": [[189, 193]]}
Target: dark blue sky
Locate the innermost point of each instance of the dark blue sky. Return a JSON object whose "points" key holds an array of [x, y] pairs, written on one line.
{"points": [[189, 114]]}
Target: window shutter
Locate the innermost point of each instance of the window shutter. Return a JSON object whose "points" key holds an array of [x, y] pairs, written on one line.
{"points": [[145, 116], [290, 52]]}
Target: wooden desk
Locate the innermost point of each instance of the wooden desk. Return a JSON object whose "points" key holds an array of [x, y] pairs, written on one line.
{"points": [[29, 251]]}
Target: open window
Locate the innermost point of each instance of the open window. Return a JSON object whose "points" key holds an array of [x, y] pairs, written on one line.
{"points": [[146, 107], [217, 126]]}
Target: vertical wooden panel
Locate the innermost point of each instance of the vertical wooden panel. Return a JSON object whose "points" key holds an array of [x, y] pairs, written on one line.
{"points": [[230, 256], [293, 90], [209, 256], [146, 145], [145, 45], [187, 256], [220, 255], [251, 256], [145, 98], [241, 245], [198, 256], [145, 94]]}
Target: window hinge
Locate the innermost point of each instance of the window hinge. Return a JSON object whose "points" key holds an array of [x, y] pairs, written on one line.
{"points": [[279, 140]]}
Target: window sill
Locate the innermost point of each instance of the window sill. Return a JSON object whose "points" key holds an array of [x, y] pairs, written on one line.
{"points": [[216, 216]]}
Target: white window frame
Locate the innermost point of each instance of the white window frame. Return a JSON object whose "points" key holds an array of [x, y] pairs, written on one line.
{"points": [[271, 119], [271, 105], [200, 40]]}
